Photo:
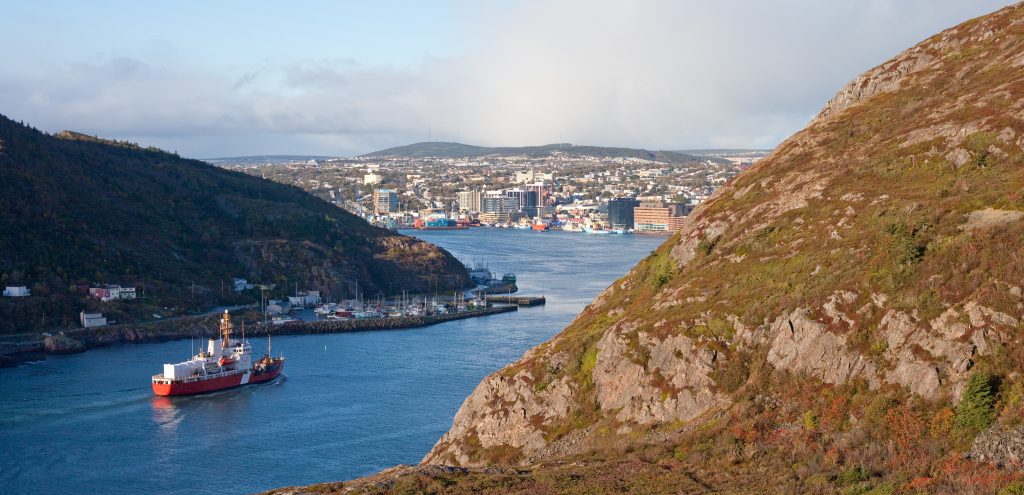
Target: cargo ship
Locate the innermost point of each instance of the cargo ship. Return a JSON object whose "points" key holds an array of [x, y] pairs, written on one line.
{"points": [[438, 224], [225, 363]]}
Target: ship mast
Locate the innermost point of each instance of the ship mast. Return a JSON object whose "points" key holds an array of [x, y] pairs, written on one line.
{"points": [[225, 328]]}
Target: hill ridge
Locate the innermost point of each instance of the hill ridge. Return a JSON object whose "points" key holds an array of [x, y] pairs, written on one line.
{"points": [[443, 149], [75, 209]]}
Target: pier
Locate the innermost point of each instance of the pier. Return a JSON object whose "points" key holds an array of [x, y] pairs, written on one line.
{"points": [[517, 300]]}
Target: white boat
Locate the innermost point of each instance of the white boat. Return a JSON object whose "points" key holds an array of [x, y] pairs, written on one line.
{"points": [[326, 309]]}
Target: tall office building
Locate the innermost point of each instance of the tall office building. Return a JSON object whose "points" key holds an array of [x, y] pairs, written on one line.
{"points": [[494, 202], [659, 217], [620, 213], [385, 201], [469, 200]]}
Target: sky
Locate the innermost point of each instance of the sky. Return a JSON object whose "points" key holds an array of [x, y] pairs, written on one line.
{"points": [[234, 78]]}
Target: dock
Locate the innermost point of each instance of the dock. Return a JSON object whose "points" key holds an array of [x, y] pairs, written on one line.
{"points": [[516, 300]]}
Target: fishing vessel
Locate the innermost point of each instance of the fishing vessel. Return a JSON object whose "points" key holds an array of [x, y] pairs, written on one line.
{"points": [[225, 363]]}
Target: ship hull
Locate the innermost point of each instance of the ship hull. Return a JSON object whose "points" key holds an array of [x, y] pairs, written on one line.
{"points": [[248, 377]]}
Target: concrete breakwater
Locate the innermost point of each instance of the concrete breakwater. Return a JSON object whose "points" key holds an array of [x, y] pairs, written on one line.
{"points": [[78, 340]]}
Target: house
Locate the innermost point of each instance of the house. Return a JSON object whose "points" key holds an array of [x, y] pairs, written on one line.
{"points": [[278, 307], [305, 299], [240, 284], [90, 320], [17, 291], [112, 292]]}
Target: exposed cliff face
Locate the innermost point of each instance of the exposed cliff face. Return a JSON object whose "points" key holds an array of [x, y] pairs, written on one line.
{"points": [[881, 248]]}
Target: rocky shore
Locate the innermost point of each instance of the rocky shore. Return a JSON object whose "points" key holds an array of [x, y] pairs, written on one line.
{"points": [[79, 340]]}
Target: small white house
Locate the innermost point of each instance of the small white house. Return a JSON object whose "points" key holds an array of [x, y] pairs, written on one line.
{"points": [[90, 320], [17, 291], [278, 307], [241, 284]]}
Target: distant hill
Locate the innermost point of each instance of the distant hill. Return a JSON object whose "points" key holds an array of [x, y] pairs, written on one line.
{"points": [[77, 210], [256, 160], [459, 150], [723, 151]]}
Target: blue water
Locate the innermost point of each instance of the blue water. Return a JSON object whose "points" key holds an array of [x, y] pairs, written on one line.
{"points": [[348, 405]]}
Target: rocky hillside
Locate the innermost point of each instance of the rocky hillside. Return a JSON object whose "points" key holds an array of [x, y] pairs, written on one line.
{"points": [[76, 210], [848, 310]]}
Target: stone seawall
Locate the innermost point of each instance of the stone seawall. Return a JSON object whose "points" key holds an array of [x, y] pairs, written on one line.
{"points": [[78, 340]]}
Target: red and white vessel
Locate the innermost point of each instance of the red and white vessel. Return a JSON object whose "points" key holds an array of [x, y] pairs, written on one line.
{"points": [[226, 363]]}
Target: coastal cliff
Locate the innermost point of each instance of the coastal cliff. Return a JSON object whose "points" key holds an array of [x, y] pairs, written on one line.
{"points": [[879, 252], [843, 317]]}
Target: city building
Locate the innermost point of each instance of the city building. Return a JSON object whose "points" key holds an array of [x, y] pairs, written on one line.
{"points": [[469, 200], [385, 201], [531, 176], [90, 320], [620, 213], [17, 291], [497, 207], [526, 198], [370, 179], [498, 202], [659, 217]]}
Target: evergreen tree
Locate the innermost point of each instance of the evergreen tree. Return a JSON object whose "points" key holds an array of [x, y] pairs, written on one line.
{"points": [[976, 410]]}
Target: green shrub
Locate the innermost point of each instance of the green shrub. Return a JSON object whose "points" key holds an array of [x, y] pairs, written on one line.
{"points": [[706, 245], [1015, 488], [664, 270], [853, 475], [976, 409], [903, 247], [811, 421]]}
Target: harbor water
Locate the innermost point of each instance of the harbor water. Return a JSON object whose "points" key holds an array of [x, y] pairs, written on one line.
{"points": [[348, 404]]}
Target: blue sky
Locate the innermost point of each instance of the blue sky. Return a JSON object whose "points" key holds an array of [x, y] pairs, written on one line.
{"points": [[340, 78]]}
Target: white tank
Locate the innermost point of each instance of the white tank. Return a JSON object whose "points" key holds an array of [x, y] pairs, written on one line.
{"points": [[180, 370]]}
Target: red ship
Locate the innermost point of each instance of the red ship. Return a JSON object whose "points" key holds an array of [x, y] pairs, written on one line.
{"points": [[226, 363]]}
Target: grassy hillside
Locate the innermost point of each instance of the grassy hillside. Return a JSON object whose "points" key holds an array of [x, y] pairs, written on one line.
{"points": [[79, 210], [844, 317]]}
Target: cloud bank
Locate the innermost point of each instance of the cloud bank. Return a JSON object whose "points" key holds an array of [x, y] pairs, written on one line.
{"points": [[652, 74]]}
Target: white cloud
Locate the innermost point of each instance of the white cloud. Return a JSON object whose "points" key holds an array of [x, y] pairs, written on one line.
{"points": [[655, 74]]}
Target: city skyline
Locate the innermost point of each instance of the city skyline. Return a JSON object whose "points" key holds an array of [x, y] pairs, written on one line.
{"points": [[343, 79]]}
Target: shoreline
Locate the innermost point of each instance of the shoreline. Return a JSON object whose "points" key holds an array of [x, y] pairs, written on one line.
{"points": [[80, 340]]}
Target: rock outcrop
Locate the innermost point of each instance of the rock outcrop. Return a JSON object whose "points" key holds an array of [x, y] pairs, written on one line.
{"points": [[879, 248], [59, 344]]}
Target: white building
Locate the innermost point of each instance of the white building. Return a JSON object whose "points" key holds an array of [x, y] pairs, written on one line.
{"points": [[17, 291], [240, 284], [531, 177], [369, 179], [90, 320], [112, 293], [469, 200], [305, 299]]}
